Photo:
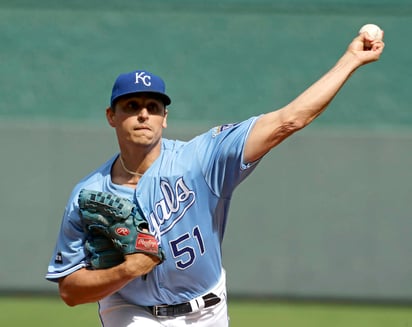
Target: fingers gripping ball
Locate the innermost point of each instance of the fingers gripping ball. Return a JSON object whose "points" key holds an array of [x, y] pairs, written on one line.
{"points": [[374, 31], [119, 220]]}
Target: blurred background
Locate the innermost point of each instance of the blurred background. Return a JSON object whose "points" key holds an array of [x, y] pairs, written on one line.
{"points": [[326, 216]]}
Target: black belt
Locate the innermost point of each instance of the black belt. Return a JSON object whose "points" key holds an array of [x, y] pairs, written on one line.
{"points": [[182, 308]]}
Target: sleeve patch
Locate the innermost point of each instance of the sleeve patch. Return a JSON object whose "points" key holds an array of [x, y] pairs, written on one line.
{"points": [[218, 129], [59, 258]]}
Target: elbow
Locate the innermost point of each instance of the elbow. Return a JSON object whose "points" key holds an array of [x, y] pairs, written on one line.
{"points": [[282, 132], [66, 295], [69, 300], [291, 126], [69, 303]]}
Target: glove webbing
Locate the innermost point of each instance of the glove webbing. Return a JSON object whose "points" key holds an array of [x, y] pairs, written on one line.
{"points": [[106, 203]]}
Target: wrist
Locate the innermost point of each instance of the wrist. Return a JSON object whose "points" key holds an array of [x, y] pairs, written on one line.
{"points": [[138, 264]]}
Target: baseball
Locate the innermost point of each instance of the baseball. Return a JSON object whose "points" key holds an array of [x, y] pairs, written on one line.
{"points": [[373, 30]]}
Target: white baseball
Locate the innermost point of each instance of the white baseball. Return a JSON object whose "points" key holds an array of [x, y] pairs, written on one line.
{"points": [[373, 30]]}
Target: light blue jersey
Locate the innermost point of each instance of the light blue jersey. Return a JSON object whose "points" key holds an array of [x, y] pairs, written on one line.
{"points": [[185, 196]]}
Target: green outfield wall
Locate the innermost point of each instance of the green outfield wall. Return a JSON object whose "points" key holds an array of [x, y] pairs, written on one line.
{"points": [[327, 214]]}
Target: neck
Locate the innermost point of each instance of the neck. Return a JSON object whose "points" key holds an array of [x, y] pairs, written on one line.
{"points": [[140, 157], [130, 172]]}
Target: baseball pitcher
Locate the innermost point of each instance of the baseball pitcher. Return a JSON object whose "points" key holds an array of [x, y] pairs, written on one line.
{"points": [[142, 234]]}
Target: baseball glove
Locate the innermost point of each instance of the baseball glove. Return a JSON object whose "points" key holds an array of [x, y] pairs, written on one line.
{"points": [[102, 252], [106, 216]]}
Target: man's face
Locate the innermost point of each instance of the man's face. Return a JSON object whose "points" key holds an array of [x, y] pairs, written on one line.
{"points": [[138, 119]]}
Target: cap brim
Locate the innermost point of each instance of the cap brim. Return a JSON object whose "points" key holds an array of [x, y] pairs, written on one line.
{"points": [[161, 96]]}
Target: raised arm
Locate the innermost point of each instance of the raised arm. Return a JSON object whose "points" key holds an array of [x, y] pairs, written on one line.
{"points": [[272, 128]]}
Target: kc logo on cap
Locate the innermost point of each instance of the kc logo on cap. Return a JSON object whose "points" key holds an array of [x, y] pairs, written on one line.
{"points": [[144, 78], [139, 81]]}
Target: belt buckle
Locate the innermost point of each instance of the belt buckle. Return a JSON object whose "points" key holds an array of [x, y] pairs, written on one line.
{"points": [[160, 310]]}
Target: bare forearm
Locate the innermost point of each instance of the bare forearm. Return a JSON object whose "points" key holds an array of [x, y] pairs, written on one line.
{"points": [[86, 286], [272, 128], [314, 100]]}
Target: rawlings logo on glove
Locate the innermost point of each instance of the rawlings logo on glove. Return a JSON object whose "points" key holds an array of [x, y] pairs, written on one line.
{"points": [[122, 231], [146, 243]]}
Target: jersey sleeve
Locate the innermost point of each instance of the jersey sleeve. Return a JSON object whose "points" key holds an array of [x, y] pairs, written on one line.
{"points": [[220, 153], [68, 255]]}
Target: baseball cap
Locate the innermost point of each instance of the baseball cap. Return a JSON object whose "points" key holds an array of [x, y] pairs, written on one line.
{"points": [[139, 81]]}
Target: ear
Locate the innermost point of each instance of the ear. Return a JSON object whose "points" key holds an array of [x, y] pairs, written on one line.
{"points": [[110, 116], [165, 119]]}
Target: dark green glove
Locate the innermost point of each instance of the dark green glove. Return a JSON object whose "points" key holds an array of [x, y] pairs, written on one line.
{"points": [[118, 220], [102, 253]]}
